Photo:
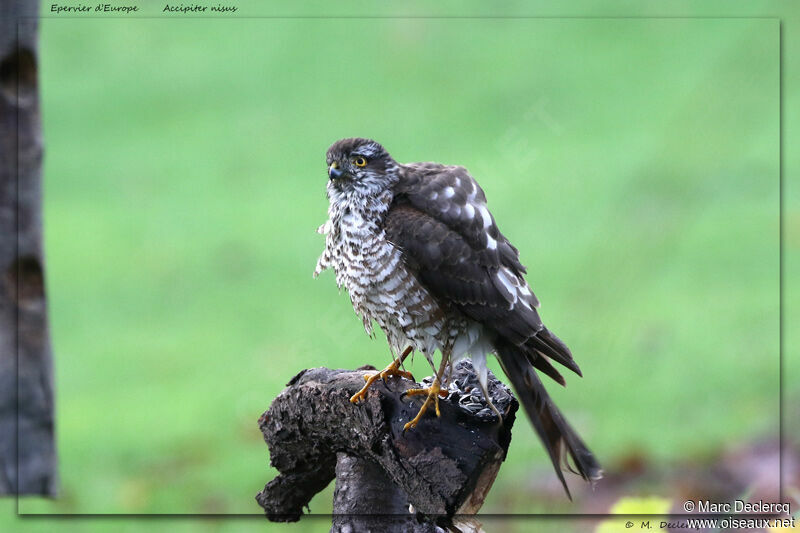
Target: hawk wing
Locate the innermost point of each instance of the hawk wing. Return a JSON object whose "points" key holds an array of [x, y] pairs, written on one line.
{"points": [[448, 238], [440, 221], [450, 195]]}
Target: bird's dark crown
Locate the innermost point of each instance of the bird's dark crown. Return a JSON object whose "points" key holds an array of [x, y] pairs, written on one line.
{"points": [[355, 146]]}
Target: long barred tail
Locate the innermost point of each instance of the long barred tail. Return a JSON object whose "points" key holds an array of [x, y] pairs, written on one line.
{"points": [[557, 435]]}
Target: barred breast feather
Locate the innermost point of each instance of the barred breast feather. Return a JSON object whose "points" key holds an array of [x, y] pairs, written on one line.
{"points": [[381, 287]]}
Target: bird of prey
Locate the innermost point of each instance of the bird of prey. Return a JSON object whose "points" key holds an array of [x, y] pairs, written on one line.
{"points": [[420, 254]]}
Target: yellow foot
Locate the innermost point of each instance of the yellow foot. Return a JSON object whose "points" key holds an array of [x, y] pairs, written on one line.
{"points": [[433, 393], [392, 370]]}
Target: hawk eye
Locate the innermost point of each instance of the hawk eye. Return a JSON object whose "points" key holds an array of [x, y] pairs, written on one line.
{"points": [[359, 161]]}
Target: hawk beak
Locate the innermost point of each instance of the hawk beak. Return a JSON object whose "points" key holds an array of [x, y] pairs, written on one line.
{"points": [[334, 172]]}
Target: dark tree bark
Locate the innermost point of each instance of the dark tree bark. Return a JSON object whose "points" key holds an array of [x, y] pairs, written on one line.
{"points": [[27, 448], [387, 480]]}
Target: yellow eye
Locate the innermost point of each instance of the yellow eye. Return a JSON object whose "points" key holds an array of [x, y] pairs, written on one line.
{"points": [[360, 161]]}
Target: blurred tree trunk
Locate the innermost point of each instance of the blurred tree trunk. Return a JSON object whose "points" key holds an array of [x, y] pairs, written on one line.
{"points": [[27, 448]]}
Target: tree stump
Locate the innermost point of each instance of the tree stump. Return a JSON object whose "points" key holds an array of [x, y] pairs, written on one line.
{"points": [[419, 480], [27, 446]]}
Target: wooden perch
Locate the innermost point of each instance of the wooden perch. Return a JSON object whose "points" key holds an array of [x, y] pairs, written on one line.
{"points": [[385, 478]]}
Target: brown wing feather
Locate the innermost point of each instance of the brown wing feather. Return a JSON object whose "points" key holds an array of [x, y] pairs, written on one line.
{"points": [[439, 217], [449, 268], [450, 256], [453, 197]]}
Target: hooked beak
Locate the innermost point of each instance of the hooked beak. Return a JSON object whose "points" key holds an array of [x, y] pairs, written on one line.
{"points": [[334, 172]]}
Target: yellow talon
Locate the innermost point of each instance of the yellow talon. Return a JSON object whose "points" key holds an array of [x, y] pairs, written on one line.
{"points": [[392, 370], [433, 392]]}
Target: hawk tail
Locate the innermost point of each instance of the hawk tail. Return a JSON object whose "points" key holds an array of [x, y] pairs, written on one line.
{"points": [[556, 434]]}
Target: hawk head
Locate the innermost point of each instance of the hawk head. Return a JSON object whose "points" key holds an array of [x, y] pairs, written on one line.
{"points": [[360, 166]]}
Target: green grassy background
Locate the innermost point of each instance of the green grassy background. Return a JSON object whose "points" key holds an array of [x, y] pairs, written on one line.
{"points": [[633, 162]]}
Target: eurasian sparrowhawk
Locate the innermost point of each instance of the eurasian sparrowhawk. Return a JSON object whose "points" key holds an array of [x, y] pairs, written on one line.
{"points": [[420, 254]]}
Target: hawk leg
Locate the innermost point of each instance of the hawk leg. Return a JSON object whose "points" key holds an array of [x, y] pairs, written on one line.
{"points": [[433, 392], [392, 370]]}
